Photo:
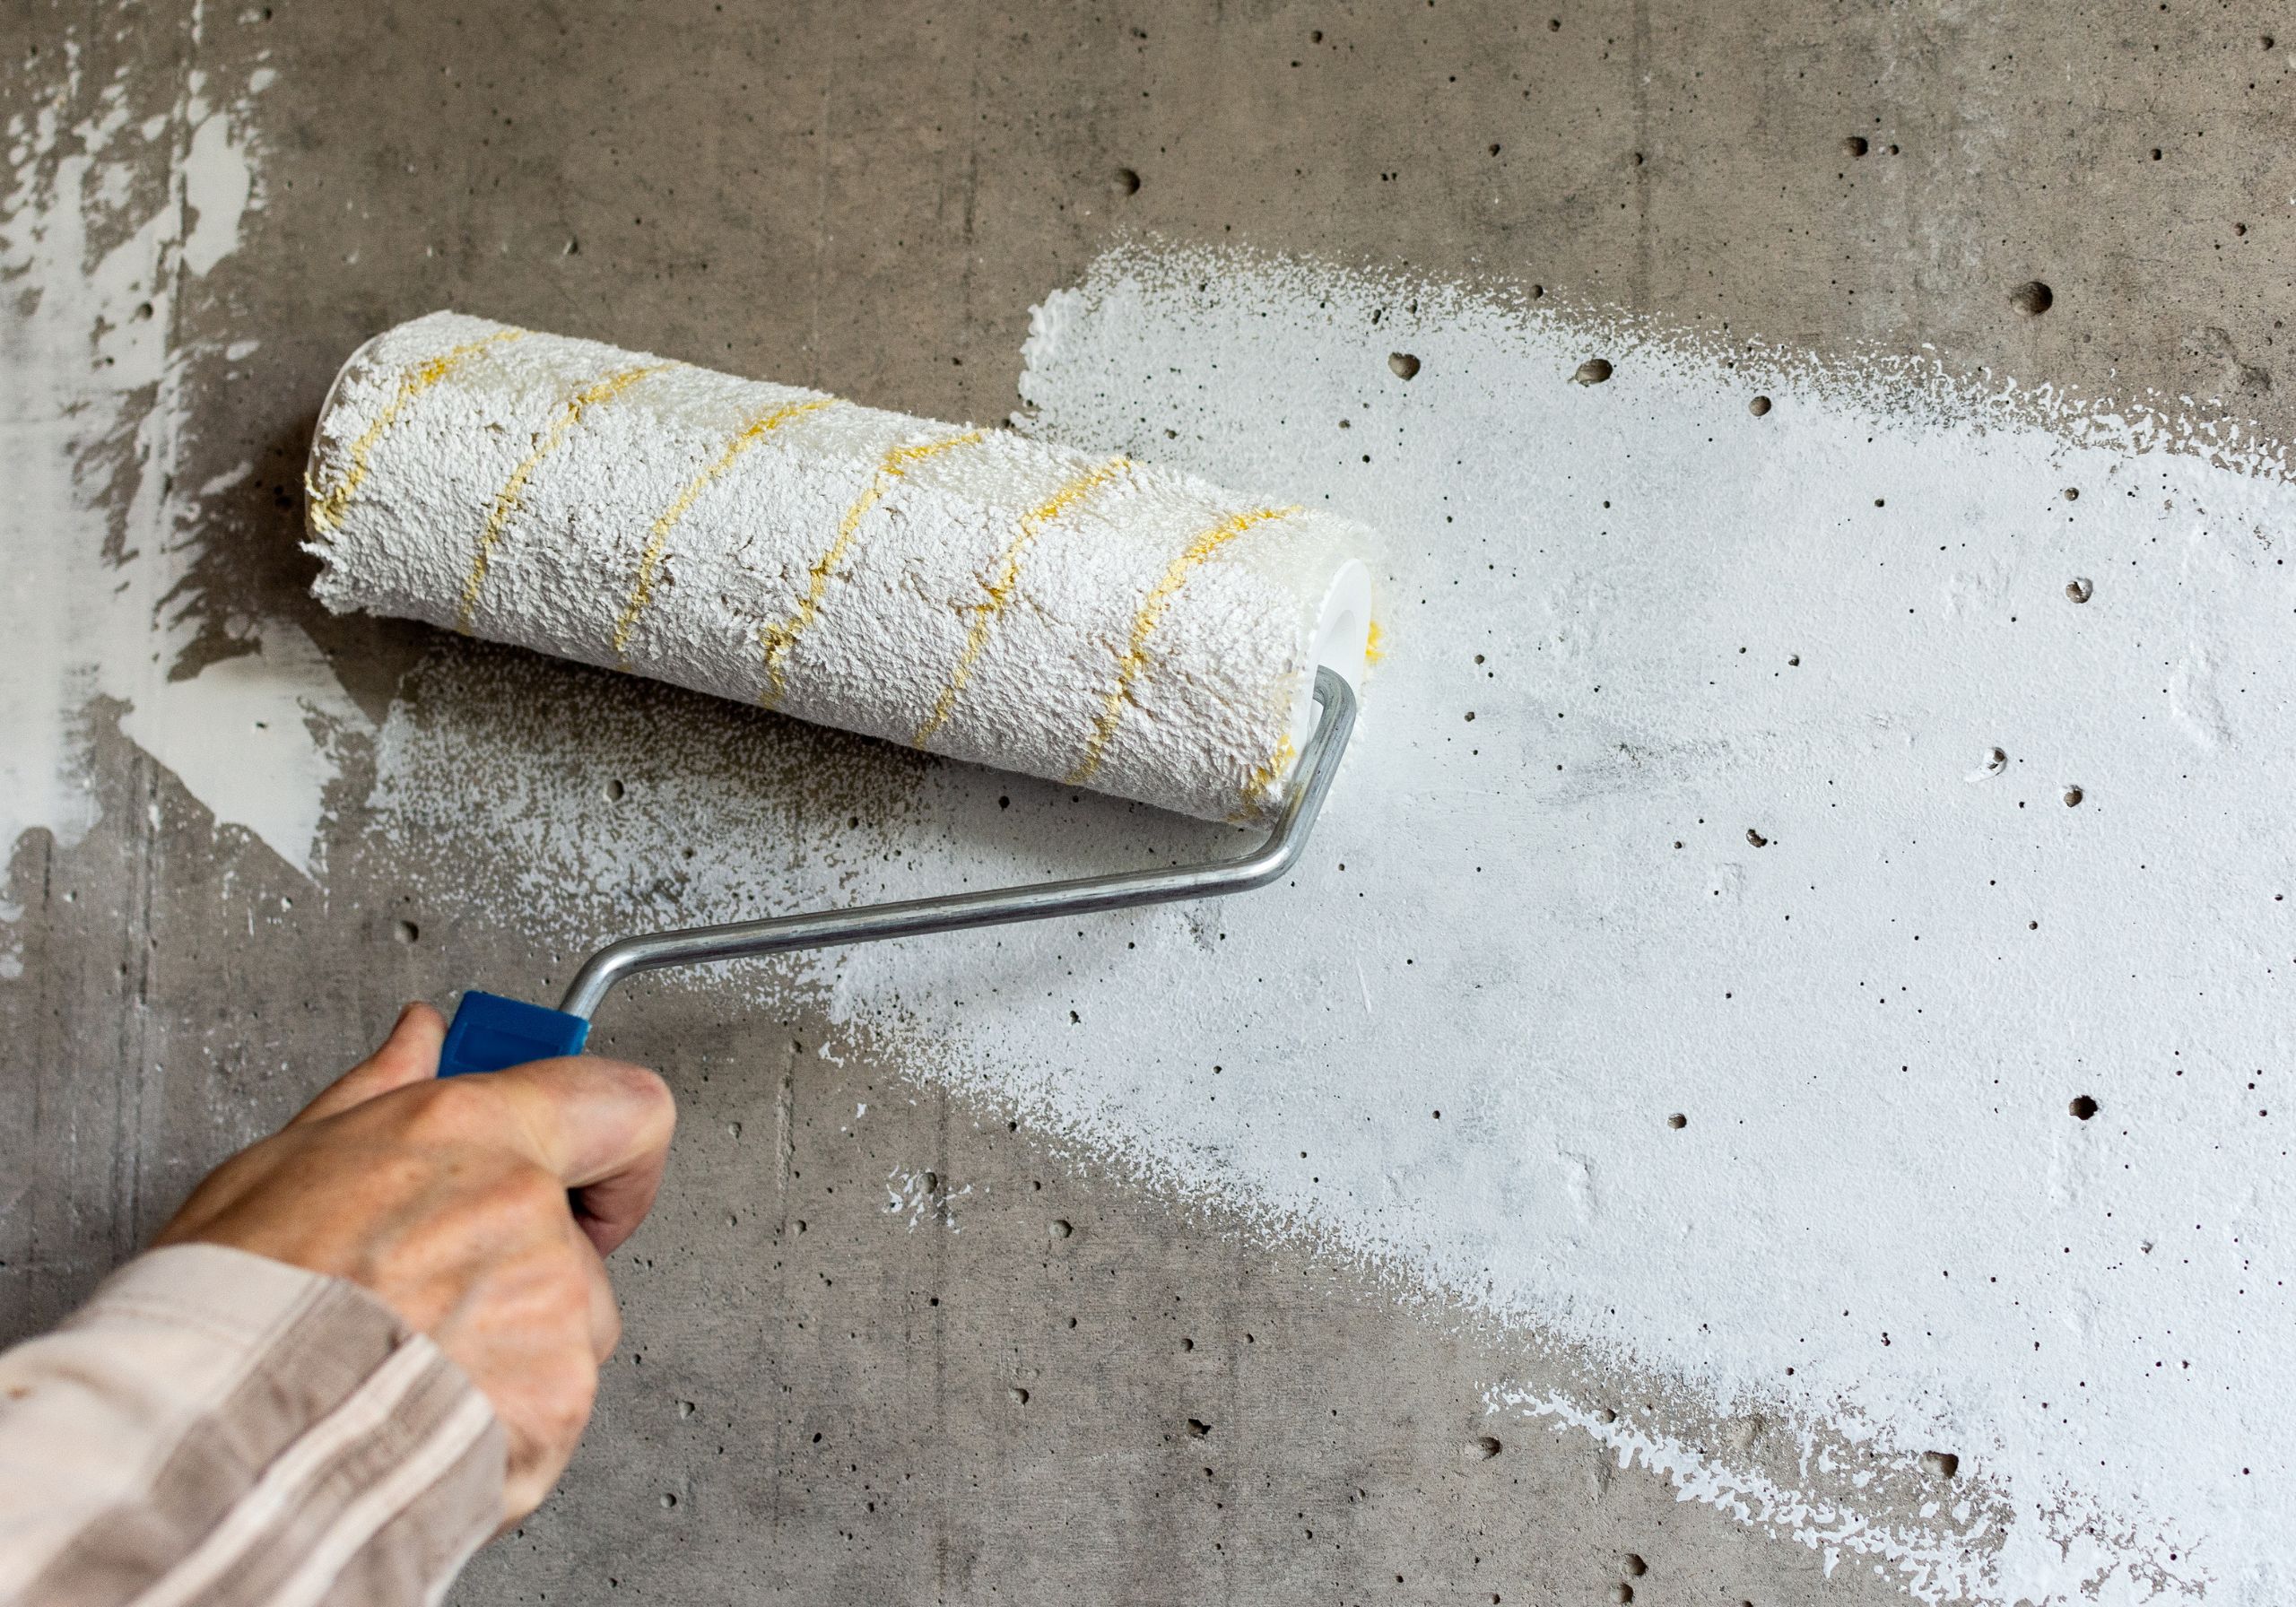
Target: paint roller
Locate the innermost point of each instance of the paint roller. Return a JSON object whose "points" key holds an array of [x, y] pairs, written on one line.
{"points": [[971, 592]]}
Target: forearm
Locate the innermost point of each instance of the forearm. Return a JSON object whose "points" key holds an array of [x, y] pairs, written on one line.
{"points": [[218, 1428]]}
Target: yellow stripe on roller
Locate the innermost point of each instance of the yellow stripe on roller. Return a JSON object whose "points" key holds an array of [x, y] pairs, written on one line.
{"points": [[658, 539], [514, 490], [1134, 657], [1005, 584], [779, 640], [327, 507], [1258, 785]]}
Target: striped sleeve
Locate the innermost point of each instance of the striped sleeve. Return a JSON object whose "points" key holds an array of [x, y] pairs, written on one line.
{"points": [[218, 1429]]}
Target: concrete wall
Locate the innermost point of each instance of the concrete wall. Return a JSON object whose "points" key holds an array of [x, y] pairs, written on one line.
{"points": [[819, 1398]]}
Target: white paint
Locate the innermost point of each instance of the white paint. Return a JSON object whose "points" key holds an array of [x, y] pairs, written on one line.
{"points": [[256, 738], [972, 592], [92, 235], [1875, 1050], [218, 187], [1872, 1048]]}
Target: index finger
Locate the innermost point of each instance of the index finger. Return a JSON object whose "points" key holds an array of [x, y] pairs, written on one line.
{"points": [[604, 1127]]}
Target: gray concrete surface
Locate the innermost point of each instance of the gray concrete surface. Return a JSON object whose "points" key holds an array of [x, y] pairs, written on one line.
{"points": [[817, 1399]]}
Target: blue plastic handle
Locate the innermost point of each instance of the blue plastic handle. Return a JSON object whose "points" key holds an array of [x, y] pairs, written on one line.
{"points": [[490, 1033]]}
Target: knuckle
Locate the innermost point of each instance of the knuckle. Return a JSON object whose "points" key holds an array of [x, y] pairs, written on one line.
{"points": [[645, 1087], [455, 1108], [524, 1194]]}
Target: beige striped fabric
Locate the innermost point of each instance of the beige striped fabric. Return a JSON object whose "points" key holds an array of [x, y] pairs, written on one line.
{"points": [[218, 1429]]}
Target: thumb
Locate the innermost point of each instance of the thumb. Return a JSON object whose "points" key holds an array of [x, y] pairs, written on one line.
{"points": [[409, 1054]]}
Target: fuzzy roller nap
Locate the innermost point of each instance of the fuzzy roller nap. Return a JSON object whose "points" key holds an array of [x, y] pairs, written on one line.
{"points": [[964, 590], [969, 591]]}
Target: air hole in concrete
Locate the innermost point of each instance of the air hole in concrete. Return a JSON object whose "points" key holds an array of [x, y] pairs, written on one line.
{"points": [[685, 1409], [2156, 154], [1593, 371], [1197, 1428], [1607, 1415], [615, 791], [2084, 1107], [1622, 1592], [1678, 1121], [1756, 839], [1758, 406], [1060, 1229], [1940, 1465], [2080, 588], [1995, 761], [1854, 145], [2265, 40], [1402, 362], [1019, 1396], [1127, 181], [2072, 797], [1632, 1566], [1482, 1447], [405, 931], [2073, 493], [2032, 297], [1187, 1344]]}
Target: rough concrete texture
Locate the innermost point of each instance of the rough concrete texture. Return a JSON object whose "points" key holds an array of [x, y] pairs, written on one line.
{"points": [[819, 1398]]}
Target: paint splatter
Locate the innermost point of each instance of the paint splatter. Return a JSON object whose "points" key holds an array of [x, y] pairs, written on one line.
{"points": [[111, 208]]}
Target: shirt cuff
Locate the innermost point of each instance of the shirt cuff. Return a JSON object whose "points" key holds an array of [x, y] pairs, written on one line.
{"points": [[221, 1429]]}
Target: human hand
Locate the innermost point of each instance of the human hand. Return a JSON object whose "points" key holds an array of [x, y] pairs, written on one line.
{"points": [[449, 1200]]}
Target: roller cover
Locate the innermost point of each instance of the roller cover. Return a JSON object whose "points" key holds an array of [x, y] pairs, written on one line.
{"points": [[966, 590]]}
